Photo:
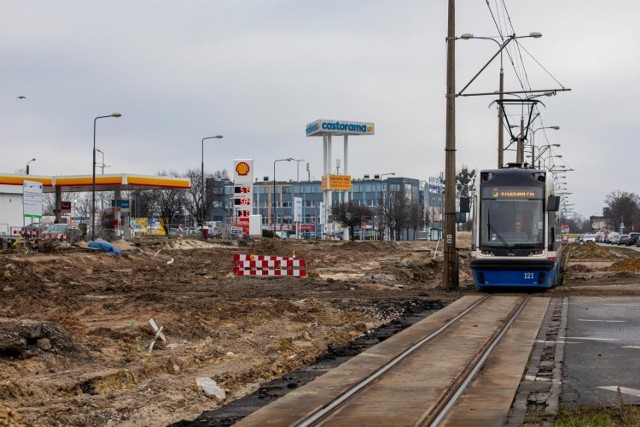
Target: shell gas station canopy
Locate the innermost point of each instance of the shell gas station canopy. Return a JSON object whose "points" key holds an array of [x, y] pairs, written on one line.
{"points": [[112, 182]]}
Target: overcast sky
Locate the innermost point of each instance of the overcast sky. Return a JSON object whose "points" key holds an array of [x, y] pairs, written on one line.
{"points": [[258, 71]]}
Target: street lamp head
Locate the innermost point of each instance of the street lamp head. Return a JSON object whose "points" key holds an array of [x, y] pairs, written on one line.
{"points": [[218, 136], [535, 35], [33, 160], [554, 127], [290, 159], [466, 36], [116, 115]]}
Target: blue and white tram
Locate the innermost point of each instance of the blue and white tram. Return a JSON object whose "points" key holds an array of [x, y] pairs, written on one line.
{"points": [[516, 233]]}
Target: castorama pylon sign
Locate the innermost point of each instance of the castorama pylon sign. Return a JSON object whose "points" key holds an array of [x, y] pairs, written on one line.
{"points": [[339, 127]]}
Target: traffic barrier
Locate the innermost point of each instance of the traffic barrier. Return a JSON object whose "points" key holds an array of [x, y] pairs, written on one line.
{"points": [[268, 266]]}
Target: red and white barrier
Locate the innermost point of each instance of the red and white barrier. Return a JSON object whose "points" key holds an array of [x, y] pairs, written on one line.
{"points": [[268, 266], [266, 272]]}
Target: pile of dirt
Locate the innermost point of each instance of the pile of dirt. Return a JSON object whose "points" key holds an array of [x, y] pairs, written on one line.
{"points": [[591, 251], [630, 265]]}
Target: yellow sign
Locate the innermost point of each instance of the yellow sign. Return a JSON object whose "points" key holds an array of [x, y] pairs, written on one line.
{"points": [[336, 182]]}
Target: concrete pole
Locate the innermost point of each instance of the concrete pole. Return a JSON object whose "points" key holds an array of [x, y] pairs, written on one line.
{"points": [[346, 164], [501, 119], [450, 257]]}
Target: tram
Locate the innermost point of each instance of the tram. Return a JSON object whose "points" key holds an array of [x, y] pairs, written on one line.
{"points": [[516, 238]]}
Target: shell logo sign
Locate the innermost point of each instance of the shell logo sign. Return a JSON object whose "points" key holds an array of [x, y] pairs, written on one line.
{"points": [[242, 168], [243, 171]]}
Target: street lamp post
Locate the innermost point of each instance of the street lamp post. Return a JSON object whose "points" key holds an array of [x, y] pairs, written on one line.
{"points": [[93, 179], [533, 145], [102, 165], [298, 168], [202, 182], [30, 161], [501, 46], [384, 174], [274, 189]]}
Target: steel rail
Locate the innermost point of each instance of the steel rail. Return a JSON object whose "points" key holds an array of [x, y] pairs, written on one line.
{"points": [[326, 410], [435, 418]]}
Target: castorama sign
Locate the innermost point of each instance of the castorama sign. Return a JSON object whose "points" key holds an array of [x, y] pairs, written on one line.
{"points": [[339, 127]]}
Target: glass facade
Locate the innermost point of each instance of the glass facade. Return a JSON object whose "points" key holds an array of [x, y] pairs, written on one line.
{"points": [[275, 201]]}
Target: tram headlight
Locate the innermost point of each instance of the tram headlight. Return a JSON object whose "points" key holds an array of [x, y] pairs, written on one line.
{"points": [[485, 252], [536, 253]]}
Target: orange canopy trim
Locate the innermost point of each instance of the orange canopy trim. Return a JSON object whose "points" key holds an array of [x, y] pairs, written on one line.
{"points": [[19, 179], [158, 181]]}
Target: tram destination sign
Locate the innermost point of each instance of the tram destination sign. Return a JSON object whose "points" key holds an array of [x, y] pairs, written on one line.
{"points": [[513, 193]]}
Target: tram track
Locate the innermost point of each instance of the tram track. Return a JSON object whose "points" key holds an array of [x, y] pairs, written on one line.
{"points": [[417, 377]]}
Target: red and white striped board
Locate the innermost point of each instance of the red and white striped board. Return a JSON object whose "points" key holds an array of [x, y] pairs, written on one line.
{"points": [[267, 272], [290, 263], [251, 257], [268, 266]]}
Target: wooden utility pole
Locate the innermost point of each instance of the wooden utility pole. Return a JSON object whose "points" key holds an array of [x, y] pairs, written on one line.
{"points": [[450, 256]]}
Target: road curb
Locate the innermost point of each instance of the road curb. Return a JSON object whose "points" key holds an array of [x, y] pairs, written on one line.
{"points": [[536, 401]]}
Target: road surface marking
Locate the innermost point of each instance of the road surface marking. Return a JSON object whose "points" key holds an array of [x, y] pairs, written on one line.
{"points": [[624, 390], [630, 346], [602, 320], [591, 339], [622, 305], [559, 341]]}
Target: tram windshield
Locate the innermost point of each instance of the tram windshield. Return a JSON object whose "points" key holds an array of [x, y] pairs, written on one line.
{"points": [[512, 219]]}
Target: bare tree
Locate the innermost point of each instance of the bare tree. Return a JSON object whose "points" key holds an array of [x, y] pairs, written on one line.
{"points": [[622, 207], [350, 215], [416, 218], [169, 202], [194, 201], [394, 210]]}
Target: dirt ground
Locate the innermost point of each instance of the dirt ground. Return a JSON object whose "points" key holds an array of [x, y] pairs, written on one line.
{"points": [[75, 326]]}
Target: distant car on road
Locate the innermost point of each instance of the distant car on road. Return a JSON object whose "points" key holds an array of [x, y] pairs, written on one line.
{"points": [[622, 239], [612, 238], [33, 230], [66, 232], [588, 238], [633, 238]]}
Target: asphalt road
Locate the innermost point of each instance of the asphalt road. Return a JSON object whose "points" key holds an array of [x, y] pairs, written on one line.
{"points": [[602, 352]]}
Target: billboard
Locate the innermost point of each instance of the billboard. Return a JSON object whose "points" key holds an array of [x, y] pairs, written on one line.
{"points": [[336, 182], [32, 200], [339, 127]]}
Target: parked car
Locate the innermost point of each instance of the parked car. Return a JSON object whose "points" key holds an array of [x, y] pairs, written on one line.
{"points": [[588, 238], [62, 232], [622, 239], [33, 230], [612, 238], [633, 238]]}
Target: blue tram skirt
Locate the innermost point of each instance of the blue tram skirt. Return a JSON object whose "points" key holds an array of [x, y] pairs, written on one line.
{"points": [[518, 272]]}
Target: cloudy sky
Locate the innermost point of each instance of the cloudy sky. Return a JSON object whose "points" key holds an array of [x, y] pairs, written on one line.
{"points": [[258, 71]]}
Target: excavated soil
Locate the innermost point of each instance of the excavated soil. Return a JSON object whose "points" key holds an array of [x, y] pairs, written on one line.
{"points": [[75, 328], [76, 335]]}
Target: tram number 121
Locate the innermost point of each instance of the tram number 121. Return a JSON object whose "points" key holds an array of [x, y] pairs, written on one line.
{"points": [[528, 275]]}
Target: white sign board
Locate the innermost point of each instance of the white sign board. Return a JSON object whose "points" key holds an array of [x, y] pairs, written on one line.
{"points": [[297, 209], [32, 202], [323, 213]]}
